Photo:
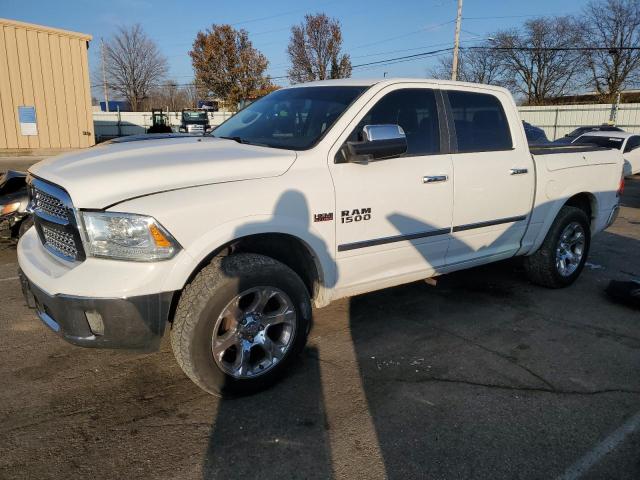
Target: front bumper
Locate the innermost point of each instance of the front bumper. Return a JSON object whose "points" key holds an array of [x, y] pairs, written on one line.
{"points": [[133, 323]]}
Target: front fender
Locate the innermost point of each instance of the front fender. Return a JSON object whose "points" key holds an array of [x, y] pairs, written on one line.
{"points": [[226, 233], [204, 219]]}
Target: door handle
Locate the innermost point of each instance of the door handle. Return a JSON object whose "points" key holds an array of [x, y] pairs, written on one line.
{"points": [[518, 171], [435, 178]]}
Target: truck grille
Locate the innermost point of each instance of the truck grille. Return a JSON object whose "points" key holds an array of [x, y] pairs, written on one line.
{"points": [[60, 241], [55, 221], [49, 204]]}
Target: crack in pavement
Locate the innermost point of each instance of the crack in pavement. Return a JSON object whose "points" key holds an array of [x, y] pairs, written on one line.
{"points": [[504, 356], [582, 327], [508, 387], [550, 388]]}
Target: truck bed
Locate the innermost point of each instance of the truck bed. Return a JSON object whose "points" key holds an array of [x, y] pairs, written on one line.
{"points": [[552, 149]]}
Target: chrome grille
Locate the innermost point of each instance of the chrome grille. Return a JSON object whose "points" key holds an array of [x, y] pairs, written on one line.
{"points": [[55, 220], [49, 204], [60, 241]]}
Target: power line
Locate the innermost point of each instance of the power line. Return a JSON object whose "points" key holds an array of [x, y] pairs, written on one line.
{"points": [[388, 39], [405, 57], [503, 16], [552, 49], [416, 56]]}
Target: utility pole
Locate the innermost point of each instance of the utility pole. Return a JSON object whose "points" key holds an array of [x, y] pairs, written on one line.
{"points": [[104, 77], [456, 43]]}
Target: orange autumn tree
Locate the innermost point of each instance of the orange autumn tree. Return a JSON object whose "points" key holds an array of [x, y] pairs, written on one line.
{"points": [[227, 65]]}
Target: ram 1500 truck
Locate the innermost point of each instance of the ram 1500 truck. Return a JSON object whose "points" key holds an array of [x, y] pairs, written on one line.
{"points": [[312, 193]]}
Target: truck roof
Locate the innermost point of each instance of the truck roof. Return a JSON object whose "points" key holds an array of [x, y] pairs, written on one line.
{"points": [[367, 82]]}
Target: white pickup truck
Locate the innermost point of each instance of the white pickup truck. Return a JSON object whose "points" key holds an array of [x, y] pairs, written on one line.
{"points": [[313, 193]]}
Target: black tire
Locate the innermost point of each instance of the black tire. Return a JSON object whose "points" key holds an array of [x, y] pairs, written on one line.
{"points": [[202, 302], [541, 267]]}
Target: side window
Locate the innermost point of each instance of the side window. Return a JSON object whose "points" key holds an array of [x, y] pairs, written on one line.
{"points": [[415, 110], [632, 144], [480, 121]]}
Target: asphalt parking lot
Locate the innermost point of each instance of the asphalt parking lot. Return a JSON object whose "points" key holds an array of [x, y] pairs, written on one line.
{"points": [[484, 376]]}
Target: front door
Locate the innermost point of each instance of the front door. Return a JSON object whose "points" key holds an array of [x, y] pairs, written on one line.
{"points": [[393, 216]]}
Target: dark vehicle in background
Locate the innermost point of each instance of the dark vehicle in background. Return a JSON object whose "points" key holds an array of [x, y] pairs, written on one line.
{"points": [[159, 122], [14, 218], [535, 135], [195, 122], [571, 136]]}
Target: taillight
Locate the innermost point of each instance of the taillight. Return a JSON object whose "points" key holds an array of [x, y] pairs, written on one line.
{"points": [[621, 187]]}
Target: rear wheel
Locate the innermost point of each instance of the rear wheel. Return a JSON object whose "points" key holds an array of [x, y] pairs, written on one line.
{"points": [[561, 257], [240, 323]]}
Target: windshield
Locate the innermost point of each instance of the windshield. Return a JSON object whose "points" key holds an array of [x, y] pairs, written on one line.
{"points": [[194, 115], [293, 118], [606, 142]]}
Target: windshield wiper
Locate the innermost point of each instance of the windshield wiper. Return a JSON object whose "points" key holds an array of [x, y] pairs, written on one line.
{"points": [[244, 141], [235, 139]]}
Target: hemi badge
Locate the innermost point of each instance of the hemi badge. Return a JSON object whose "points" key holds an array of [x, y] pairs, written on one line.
{"points": [[322, 217]]}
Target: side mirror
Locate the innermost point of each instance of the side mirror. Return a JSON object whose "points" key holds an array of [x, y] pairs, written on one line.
{"points": [[378, 142]]}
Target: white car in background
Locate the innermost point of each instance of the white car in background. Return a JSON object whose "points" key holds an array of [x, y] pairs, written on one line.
{"points": [[627, 143]]}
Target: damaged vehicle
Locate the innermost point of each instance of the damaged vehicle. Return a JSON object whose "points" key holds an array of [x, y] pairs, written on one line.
{"points": [[312, 193], [14, 217]]}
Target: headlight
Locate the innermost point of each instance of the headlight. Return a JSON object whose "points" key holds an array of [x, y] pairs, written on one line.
{"points": [[126, 236], [9, 208]]}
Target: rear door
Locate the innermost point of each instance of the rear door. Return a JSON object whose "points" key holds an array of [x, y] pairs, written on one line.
{"points": [[393, 216], [493, 176]]}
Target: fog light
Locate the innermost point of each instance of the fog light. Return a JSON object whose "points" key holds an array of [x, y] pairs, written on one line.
{"points": [[95, 322]]}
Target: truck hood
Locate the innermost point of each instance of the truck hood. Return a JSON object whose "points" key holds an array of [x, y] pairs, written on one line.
{"points": [[113, 172]]}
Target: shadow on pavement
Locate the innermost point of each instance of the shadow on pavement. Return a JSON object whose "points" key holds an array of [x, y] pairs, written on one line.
{"points": [[278, 433]]}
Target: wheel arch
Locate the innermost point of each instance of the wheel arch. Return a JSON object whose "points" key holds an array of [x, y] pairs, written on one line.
{"points": [[585, 201], [286, 248]]}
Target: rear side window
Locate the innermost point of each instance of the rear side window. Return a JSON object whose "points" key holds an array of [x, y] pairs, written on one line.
{"points": [[632, 144], [415, 110], [480, 122]]}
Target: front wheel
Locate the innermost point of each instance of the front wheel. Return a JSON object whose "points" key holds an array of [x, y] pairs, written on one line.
{"points": [[240, 323], [561, 257]]}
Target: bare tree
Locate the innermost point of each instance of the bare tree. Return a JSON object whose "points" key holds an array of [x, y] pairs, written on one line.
{"points": [[613, 24], [191, 95], [133, 64], [170, 95], [314, 50], [474, 65], [227, 65], [541, 60]]}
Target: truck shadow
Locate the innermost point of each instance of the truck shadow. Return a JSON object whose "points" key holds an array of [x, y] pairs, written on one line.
{"points": [[385, 374], [280, 432]]}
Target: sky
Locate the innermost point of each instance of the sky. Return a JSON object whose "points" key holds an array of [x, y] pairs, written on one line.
{"points": [[372, 31]]}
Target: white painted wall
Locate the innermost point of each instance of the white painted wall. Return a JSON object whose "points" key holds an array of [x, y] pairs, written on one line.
{"points": [[114, 124]]}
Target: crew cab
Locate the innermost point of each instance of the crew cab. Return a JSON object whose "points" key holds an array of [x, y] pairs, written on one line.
{"points": [[313, 193]]}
